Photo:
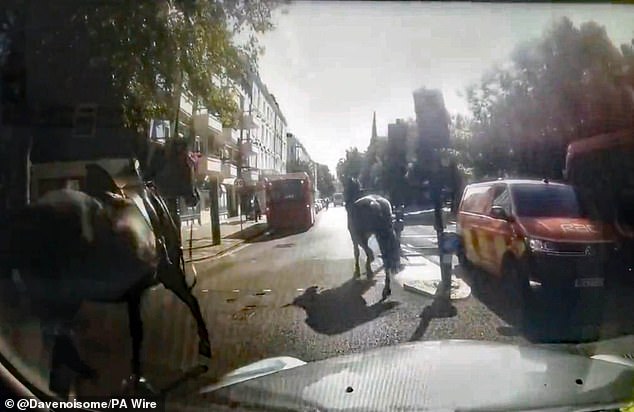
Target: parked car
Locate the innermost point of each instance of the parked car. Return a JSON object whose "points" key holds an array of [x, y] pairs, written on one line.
{"points": [[523, 230]]}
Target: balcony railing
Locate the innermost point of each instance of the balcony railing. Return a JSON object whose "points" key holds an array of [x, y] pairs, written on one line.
{"points": [[229, 170], [213, 165], [249, 148], [250, 176], [250, 122], [186, 105], [206, 124], [231, 136]]}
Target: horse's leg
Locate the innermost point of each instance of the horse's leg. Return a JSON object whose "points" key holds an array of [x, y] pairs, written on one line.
{"points": [[176, 283], [56, 327], [387, 291], [135, 324], [355, 246], [369, 256], [137, 384]]}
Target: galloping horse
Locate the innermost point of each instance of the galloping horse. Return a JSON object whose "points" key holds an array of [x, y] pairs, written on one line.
{"points": [[108, 243], [371, 215]]}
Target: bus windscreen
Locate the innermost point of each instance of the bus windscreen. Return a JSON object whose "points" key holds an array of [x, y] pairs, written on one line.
{"points": [[285, 190]]}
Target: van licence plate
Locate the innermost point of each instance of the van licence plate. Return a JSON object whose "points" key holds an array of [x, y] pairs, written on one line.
{"points": [[589, 283]]}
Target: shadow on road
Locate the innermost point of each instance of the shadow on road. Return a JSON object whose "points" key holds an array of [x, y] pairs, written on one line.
{"points": [[438, 309], [248, 232], [573, 316], [338, 310], [277, 234]]}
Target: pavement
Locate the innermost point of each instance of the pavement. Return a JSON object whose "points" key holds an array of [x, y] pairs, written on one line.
{"points": [[234, 231]]}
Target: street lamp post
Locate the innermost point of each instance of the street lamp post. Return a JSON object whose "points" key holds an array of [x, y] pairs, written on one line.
{"points": [[446, 242]]}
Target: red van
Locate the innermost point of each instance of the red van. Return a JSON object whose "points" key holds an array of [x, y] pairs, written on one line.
{"points": [[533, 230]]}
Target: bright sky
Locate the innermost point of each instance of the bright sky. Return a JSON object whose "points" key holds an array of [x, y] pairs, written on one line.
{"points": [[331, 64]]}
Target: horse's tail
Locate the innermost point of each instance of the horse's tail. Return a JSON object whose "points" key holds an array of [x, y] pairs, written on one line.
{"points": [[386, 236]]}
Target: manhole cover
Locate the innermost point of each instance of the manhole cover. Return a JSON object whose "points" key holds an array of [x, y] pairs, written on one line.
{"points": [[285, 245]]}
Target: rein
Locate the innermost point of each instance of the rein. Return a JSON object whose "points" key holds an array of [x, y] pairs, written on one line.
{"points": [[172, 226], [191, 235]]}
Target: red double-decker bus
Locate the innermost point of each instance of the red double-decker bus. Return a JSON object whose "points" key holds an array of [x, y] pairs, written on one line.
{"points": [[289, 201]]}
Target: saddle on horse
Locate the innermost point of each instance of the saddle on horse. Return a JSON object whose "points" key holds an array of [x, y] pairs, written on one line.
{"points": [[102, 186]]}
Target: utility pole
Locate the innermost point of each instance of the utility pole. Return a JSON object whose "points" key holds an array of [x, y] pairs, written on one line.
{"points": [[433, 130], [215, 213], [436, 185]]}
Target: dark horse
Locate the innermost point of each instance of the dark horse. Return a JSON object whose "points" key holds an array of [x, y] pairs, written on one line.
{"points": [[107, 243], [371, 215]]}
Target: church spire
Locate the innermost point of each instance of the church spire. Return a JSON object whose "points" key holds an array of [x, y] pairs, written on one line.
{"points": [[374, 136]]}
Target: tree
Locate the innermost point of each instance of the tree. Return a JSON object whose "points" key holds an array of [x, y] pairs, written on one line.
{"points": [[569, 84], [325, 181], [158, 48], [152, 51], [351, 165]]}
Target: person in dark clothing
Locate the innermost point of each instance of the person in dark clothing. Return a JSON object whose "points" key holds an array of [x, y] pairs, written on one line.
{"points": [[256, 208]]}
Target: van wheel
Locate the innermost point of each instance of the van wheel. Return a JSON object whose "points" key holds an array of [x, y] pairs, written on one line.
{"points": [[518, 291]]}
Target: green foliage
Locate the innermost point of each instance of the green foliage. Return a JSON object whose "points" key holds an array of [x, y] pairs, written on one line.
{"points": [[569, 84], [325, 181], [150, 51], [156, 49], [351, 165]]}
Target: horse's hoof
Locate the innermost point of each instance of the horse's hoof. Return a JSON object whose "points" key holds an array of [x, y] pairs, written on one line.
{"points": [[369, 274], [356, 275], [386, 293], [204, 349]]}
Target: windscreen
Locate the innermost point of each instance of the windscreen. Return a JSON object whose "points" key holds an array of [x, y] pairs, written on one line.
{"points": [[281, 103], [286, 190], [547, 201]]}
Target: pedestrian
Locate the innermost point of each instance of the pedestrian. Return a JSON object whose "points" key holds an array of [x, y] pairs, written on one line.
{"points": [[256, 206]]}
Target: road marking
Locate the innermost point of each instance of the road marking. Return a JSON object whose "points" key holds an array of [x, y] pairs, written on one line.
{"points": [[236, 291], [237, 249], [419, 236]]}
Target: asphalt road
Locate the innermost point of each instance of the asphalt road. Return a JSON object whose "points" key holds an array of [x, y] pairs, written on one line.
{"points": [[294, 296]]}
